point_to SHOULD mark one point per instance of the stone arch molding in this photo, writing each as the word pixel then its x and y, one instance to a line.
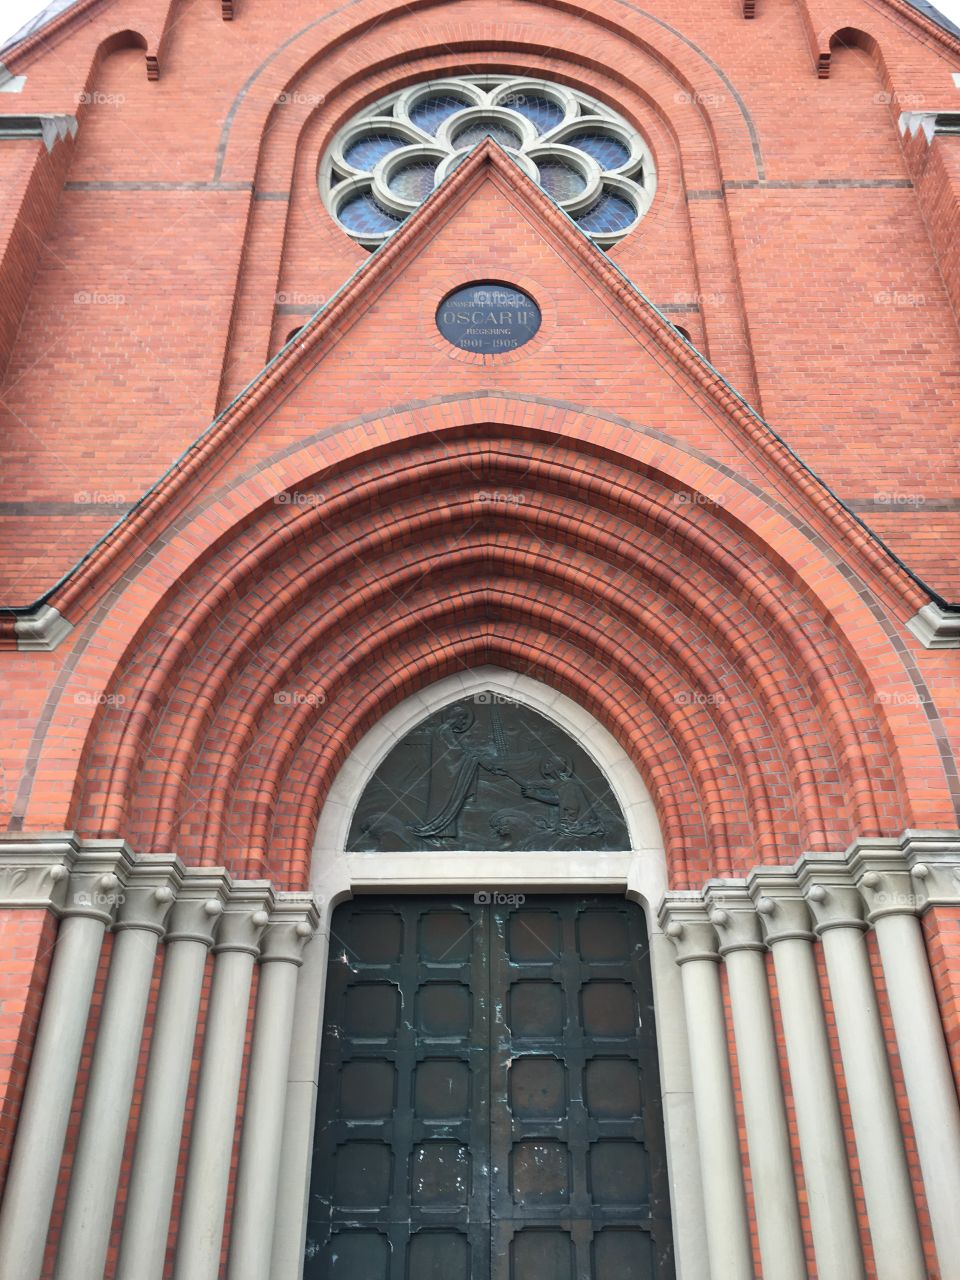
pixel 643 866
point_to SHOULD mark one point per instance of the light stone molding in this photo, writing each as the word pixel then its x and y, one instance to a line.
pixel 934 627
pixel 149 893
pixel 734 915
pixel 293 921
pixel 246 914
pixel 35 875
pixel 97 880
pixel 43 630
pixel 780 904
pixel 834 900
pixel 195 913
pixel 685 920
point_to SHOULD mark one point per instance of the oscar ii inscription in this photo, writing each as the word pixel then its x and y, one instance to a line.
pixel 488 318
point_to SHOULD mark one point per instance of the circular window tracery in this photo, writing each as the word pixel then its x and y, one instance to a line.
pixel 391 157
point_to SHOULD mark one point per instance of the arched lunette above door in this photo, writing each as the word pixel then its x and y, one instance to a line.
pixel 487 772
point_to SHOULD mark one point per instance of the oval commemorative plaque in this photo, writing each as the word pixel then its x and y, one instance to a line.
pixel 488 318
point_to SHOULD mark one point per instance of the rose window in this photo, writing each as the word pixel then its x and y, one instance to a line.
pixel 587 158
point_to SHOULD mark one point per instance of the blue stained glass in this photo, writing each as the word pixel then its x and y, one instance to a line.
pixel 477 130
pixel 429 113
pixel 542 113
pixel 414 181
pixel 611 213
pixel 609 153
pixel 366 151
pixel 362 214
pixel 560 180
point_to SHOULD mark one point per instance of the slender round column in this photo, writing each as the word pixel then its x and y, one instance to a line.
pixel 85 1236
pixel 292 922
pixel 728 1238
pixel 887 1188
pixel 768 1140
pixel 200 1236
pixel 931 1094
pixel 833 1216
pixel 45 1111
pixel 193 917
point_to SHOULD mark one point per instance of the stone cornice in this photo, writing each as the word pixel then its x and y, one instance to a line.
pixel 246 914
pixel 293 922
pixel 934 626
pixel 685 920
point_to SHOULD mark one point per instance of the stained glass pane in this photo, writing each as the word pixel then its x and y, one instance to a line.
pixel 611 213
pixel 477 130
pixel 366 151
pixel 429 113
pixel 561 180
pixel 609 152
pixel 543 113
pixel 414 181
pixel 362 214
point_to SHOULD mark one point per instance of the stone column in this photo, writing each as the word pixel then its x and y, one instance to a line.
pixel 290 1226
pixel 684 919
pixel 200 1236
pixel 94 886
pixel 85 1236
pixel 833 1217
pixel 838 915
pixel 190 931
pixel 292 921
pixel 771 1161
pixel 893 899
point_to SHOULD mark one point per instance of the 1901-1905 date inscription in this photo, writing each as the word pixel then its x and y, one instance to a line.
pixel 488 318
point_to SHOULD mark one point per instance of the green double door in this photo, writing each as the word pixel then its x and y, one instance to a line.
pixel 489 1103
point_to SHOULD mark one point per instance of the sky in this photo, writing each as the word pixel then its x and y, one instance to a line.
pixel 14 13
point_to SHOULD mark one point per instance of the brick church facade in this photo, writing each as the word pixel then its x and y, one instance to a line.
pixel 479 564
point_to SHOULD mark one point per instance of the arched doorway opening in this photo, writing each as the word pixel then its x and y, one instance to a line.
pixel 554 1007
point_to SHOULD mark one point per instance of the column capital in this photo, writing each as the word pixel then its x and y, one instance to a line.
pixel 883 878
pixel 780 905
pixel 685 920
pixel 246 914
pixel 149 892
pixel 293 922
pixel 98 880
pixel 198 905
pixel 933 859
pixel 35 874
pixel 830 891
pixel 733 914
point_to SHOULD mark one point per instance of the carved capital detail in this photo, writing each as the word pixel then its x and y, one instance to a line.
pixel 734 915
pixel 149 893
pixel 198 907
pixel 293 922
pixel 685 920
pixel 246 914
